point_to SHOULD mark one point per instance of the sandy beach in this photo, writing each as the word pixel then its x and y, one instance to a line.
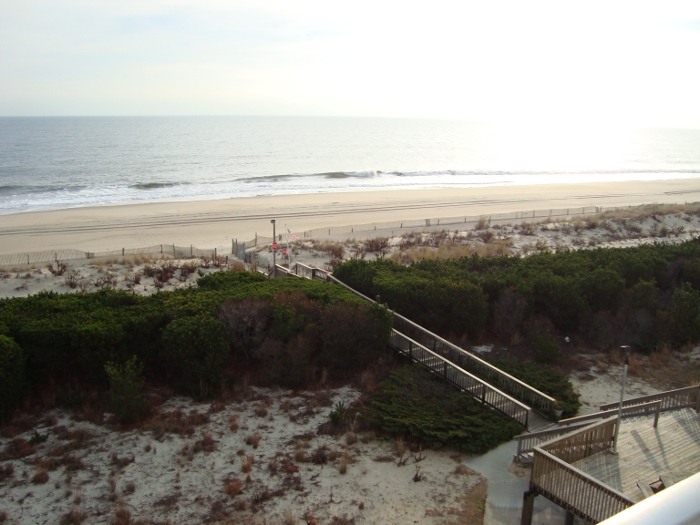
pixel 215 223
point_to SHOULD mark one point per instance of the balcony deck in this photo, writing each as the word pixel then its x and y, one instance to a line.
pixel 645 454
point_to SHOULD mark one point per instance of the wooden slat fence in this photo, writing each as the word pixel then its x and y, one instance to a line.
pixel 688 397
pixel 555 477
pixel 487 394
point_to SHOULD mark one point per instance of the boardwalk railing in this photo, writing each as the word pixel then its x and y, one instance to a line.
pixel 487 394
pixel 645 409
pixel 554 477
pixel 507 383
pixel 528 442
pixel 688 397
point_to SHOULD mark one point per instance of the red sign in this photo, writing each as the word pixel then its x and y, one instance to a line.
pixel 274 246
pixel 284 252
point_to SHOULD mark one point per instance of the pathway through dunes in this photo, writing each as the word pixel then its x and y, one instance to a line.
pixel 447 360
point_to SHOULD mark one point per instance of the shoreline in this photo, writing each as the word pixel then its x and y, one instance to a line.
pixel 215 223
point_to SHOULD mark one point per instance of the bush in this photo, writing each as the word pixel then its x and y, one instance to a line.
pixel 127 399
pixel 195 350
pixel 12 379
pixel 545 379
pixel 412 402
pixel 548 351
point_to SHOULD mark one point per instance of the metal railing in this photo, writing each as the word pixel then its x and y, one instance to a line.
pixel 466 382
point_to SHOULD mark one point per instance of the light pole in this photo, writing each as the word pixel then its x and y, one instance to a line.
pixel 626 350
pixel 274 252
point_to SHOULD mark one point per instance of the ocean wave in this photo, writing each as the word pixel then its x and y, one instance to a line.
pixel 349 174
pixel 156 185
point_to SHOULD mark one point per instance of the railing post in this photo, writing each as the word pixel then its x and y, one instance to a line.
pixel 410 350
pixel 658 412
pixel 444 369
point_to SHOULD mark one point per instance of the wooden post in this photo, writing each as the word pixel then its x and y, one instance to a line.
pixel 215 253
pixel 161 249
pixel 656 416
pixel 173 249
pixel 528 507
pixel 444 369
pixel 122 252
pixel 569 520
pixel 191 250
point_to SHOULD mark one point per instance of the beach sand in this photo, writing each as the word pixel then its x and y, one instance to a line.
pixel 215 223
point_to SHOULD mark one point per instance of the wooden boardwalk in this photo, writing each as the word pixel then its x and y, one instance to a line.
pixel 645 454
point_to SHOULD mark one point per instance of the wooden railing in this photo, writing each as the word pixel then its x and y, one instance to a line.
pixel 645 409
pixel 513 386
pixel 671 400
pixel 484 392
pixel 561 482
pixel 575 490
pixel 528 442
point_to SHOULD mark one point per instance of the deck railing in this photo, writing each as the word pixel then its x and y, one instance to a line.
pixel 467 361
pixel 645 409
pixel 528 442
pixel 670 400
pixel 555 477
pixel 484 392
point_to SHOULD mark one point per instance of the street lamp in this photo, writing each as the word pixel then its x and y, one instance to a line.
pixel 274 252
pixel 626 349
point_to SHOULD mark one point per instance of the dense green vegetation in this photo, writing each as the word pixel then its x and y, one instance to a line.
pixel 413 402
pixel 646 296
pixel 545 379
pixel 195 339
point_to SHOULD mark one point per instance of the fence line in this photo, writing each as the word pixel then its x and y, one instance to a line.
pixel 261 241
pixel 240 248
pixel 171 250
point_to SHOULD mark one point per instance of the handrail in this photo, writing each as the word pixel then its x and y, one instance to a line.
pixel 512 385
pixel 670 400
pixel 554 476
pixel 486 393
pixel 527 442
pixel 575 490
pixel 631 411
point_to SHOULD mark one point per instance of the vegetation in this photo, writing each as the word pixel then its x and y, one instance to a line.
pixel 646 296
pixel 545 379
pixel 413 402
pixel 195 339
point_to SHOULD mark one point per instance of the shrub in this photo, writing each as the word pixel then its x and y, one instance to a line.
pixel 127 400
pixel 548 351
pixel 195 349
pixel 545 379
pixel 338 414
pixel 414 403
pixel 12 379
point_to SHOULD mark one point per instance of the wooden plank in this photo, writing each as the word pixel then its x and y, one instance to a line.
pixel 667 480
pixel 646 490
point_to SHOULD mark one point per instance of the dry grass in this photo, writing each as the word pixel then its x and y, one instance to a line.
pixel 247 463
pixel 253 439
pixel 350 437
pixel 473 506
pixel 40 477
pixel 73 517
pixel 344 462
pixel 233 487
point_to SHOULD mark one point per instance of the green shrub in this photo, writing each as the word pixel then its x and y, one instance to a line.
pixel 545 379
pixel 548 351
pixel 12 379
pixel 338 414
pixel 413 402
pixel 194 351
pixel 127 400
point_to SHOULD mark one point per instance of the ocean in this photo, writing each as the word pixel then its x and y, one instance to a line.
pixel 64 162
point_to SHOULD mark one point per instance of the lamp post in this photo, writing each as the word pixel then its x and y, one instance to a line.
pixel 274 252
pixel 626 350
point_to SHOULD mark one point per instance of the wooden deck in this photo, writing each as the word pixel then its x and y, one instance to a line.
pixel 645 454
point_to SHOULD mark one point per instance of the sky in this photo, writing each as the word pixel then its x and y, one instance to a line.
pixel 609 62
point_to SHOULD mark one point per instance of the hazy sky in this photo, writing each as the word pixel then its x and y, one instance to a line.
pixel 630 62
